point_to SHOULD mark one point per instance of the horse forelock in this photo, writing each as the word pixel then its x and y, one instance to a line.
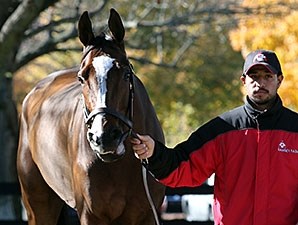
pixel 106 44
pixel 96 43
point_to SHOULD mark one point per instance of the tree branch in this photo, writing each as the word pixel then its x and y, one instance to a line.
pixel 12 31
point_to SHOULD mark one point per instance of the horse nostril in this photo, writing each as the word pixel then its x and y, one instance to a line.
pixel 115 133
pixel 93 138
pixel 106 140
pixel 110 135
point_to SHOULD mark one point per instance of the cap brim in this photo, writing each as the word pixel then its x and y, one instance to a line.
pixel 269 67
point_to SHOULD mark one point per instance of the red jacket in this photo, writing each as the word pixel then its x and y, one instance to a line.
pixel 254 157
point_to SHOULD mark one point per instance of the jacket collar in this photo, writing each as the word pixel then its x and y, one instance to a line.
pixel 254 113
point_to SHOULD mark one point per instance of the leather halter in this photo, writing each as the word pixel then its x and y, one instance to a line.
pixel 89 116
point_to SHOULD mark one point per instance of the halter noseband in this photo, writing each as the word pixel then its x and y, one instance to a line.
pixel 105 110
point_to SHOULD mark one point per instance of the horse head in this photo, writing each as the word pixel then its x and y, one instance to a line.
pixel 107 78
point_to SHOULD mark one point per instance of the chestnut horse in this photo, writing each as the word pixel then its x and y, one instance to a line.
pixel 74 131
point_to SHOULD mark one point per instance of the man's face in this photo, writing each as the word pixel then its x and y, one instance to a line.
pixel 261 84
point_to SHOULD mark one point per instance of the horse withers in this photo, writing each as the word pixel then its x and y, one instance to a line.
pixel 74 130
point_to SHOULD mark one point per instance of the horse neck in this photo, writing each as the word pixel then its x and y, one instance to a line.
pixel 145 119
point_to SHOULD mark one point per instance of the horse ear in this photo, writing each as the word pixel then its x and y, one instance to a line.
pixel 85 29
pixel 116 26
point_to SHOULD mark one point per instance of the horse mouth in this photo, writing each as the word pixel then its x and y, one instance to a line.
pixel 111 156
pixel 109 151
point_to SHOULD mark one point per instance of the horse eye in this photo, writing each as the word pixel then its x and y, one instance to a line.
pixel 83 75
pixel 127 75
pixel 81 79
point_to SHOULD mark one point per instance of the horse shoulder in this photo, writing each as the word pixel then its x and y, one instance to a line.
pixel 47 112
pixel 45 89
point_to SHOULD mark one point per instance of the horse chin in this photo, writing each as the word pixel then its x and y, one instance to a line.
pixel 112 157
pixel 111 154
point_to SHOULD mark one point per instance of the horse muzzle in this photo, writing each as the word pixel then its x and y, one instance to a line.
pixel 106 141
pixel 108 144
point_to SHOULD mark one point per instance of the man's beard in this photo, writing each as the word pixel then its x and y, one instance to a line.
pixel 261 103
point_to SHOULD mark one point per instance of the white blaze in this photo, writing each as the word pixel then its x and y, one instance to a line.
pixel 102 65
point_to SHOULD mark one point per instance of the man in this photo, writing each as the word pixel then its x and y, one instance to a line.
pixel 252 149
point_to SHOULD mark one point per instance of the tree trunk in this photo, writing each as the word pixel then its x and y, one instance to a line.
pixel 9 204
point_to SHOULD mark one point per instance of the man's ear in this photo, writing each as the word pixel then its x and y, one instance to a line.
pixel 280 79
pixel 242 78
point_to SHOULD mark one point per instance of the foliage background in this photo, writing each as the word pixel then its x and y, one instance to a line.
pixel 189 60
pixel 273 29
pixel 186 62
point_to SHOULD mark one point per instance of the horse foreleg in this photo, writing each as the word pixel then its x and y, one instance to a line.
pixel 43 206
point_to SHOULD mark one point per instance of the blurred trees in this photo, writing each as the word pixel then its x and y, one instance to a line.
pixel 275 29
pixel 15 18
pixel 204 84
pixel 179 49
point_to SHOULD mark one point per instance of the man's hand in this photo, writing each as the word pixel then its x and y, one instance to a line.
pixel 143 146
